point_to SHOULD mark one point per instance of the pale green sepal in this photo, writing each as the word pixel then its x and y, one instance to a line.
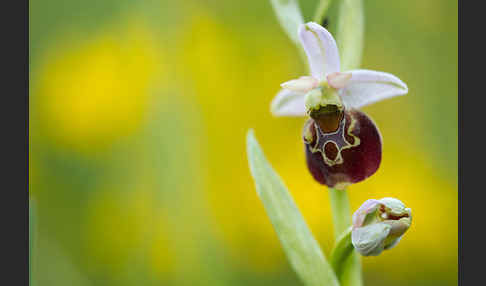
pixel 301 248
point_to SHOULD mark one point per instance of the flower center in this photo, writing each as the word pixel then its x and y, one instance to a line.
pixel 324 105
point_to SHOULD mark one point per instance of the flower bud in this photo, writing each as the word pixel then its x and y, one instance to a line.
pixel 342 146
pixel 379 225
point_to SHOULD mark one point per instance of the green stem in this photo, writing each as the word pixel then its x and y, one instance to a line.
pixel 321 11
pixel 341 211
pixel 341 216
pixel 343 248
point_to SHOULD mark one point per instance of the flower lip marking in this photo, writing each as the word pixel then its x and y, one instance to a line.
pixel 359 161
pixel 337 138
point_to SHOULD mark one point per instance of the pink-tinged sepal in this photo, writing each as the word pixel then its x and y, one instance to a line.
pixel 365 87
pixel 288 103
pixel 321 49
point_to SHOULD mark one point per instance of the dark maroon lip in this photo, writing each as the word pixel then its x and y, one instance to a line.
pixel 347 155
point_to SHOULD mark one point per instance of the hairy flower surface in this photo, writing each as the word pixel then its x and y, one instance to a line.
pixel 379 225
pixel 342 144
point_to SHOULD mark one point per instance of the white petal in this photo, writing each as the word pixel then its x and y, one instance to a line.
pixel 320 48
pixel 303 84
pixel 338 79
pixel 288 103
pixel 366 87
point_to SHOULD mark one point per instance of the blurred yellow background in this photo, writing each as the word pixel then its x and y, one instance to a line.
pixel 138 116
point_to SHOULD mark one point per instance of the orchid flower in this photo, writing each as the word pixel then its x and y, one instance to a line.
pixel 343 145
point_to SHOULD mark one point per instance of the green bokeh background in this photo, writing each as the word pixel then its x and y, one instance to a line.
pixel 138 116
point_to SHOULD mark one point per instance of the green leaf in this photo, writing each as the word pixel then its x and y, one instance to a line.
pixel 301 248
pixel 350 33
pixel 341 252
pixel 289 16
